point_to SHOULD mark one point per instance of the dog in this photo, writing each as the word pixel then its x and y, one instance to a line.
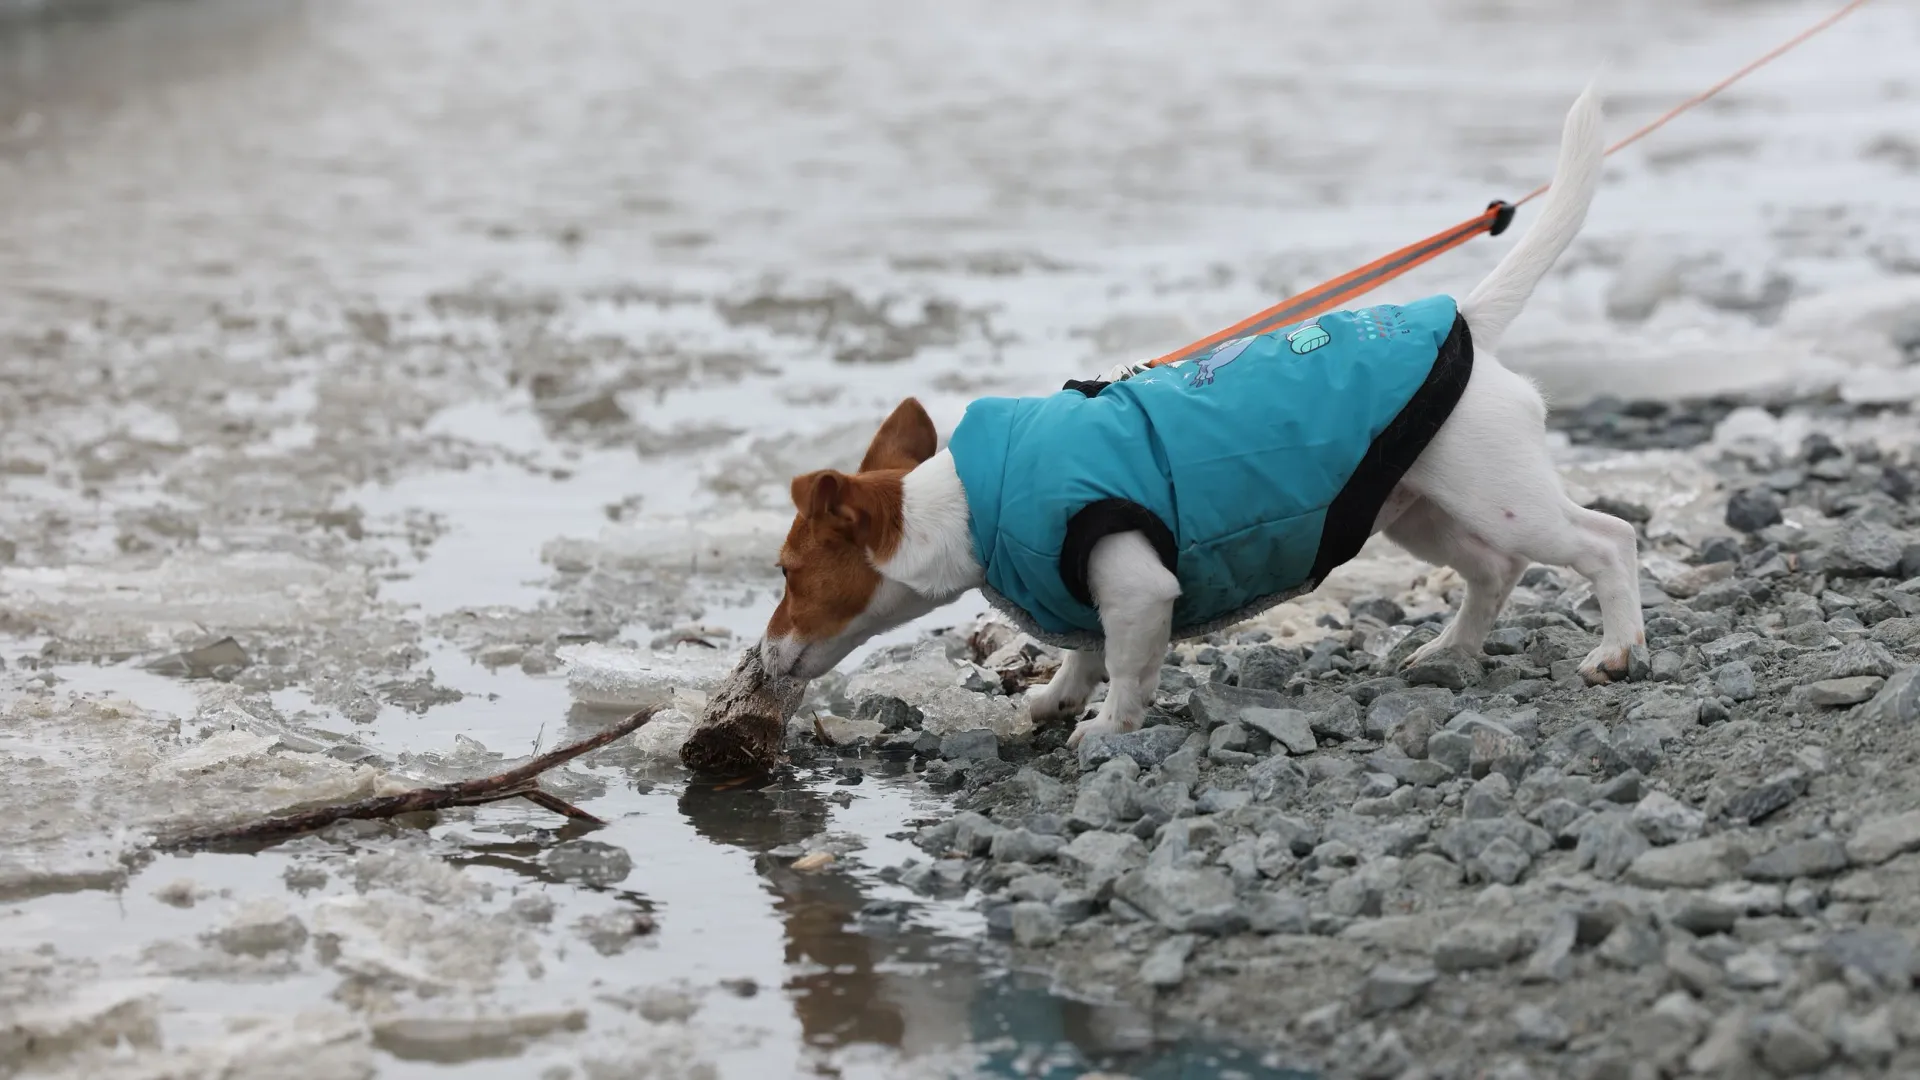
pixel 1465 483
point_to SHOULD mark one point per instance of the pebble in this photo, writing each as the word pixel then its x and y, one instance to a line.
pixel 1898 702
pixel 1736 680
pixel 1814 857
pixel 1866 549
pixel 1862 658
pixel 979 744
pixel 1552 957
pixel 1694 864
pixel 1753 509
pixel 1883 955
pixel 1831 693
pixel 1290 728
pixel 1478 944
pixel 1788 1048
pixel 1183 900
pixel 1389 987
pixel 1534 1025
pixel 1166 965
pixel 1022 846
pixel 1882 838
pixel 1757 969
pixel 1147 747
pixel 1758 803
pixel 1664 819
pixel 1451 749
pixel 1610 845
pixel 1035 923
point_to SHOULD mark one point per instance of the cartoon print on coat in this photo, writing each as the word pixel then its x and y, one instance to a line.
pixel 1217 359
pixel 1303 340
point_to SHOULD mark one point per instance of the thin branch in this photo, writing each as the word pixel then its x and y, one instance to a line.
pixel 519 783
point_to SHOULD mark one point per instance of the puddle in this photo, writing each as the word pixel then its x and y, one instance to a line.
pixel 784 972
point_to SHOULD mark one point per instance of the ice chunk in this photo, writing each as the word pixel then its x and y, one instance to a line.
pixel 99 1015
pixel 451 1039
pixel 224 748
pixel 740 543
pixel 661 737
pixel 953 708
pixel 632 679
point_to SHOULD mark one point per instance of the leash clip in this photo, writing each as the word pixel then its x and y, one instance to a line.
pixel 1502 219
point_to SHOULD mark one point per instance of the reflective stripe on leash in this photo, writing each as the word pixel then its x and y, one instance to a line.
pixel 1329 295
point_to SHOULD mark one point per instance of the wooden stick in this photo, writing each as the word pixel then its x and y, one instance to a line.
pixel 520 783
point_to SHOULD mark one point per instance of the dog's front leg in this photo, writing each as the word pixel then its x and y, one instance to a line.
pixel 1066 694
pixel 1134 594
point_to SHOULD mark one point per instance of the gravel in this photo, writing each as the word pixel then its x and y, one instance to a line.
pixel 1480 865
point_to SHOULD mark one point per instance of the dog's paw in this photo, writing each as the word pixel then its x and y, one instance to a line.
pixel 1056 701
pixel 1439 647
pixel 1101 723
pixel 1606 664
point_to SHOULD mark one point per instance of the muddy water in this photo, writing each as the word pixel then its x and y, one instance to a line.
pixel 408 343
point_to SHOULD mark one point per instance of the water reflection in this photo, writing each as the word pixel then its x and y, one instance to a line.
pixel 863 971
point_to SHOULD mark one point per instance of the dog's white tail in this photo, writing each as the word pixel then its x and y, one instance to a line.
pixel 1493 303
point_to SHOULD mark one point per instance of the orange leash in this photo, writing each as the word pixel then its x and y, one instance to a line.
pixel 1329 295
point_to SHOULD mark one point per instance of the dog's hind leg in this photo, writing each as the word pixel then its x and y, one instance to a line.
pixel 1487 469
pixel 1135 594
pixel 1490 573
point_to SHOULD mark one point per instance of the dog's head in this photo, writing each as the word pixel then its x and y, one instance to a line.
pixel 846 527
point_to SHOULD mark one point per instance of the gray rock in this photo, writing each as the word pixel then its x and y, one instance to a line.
pixel 1695 864
pixel 1882 838
pixel 1787 1048
pixel 1867 1040
pixel 1464 840
pixel 1666 820
pixel 1492 797
pixel 1552 957
pixel 1183 900
pixel 1290 728
pixel 1753 509
pixel 1508 641
pixel 1452 749
pixel 1865 549
pixel 1166 965
pixel 1453 671
pixel 1497 750
pixel 1022 846
pixel 1535 1026
pixel 891 713
pixel 1336 718
pixel 1034 923
pixel 1898 702
pixel 1836 693
pixel 1148 747
pixel 1862 657
pixel 1221 800
pixel 973 833
pixel 1390 987
pixel 1412 734
pixel 1815 857
pixel 1217 703
pixel 1557 817
pixel 1758 803
pixel 1736 680
pixel 1502 860
pixel 1882 954
pixel 1228 744
pixel 1730 647
pixel 1103 856
pixel 1110 794
pixel 1667 666
pixel 1276 913
pixel 1632 944
pixel 1277 779
pixel 1726 1051
pixel 978 744
pixel 1479 944
pixel 1390 709
pixel 1268 667
pixel 1381 608
pixel 1757 969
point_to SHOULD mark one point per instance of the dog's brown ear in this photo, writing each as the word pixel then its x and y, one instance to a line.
pixel 906 439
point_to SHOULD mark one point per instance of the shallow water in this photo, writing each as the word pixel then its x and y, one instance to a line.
pixel 381 336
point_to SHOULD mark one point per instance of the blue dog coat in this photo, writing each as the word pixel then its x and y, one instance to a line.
pixel 1254 469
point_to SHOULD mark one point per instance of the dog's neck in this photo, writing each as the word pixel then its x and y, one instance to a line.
pixel 935 556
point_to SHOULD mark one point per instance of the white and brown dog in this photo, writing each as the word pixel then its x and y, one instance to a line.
pixel 871 550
